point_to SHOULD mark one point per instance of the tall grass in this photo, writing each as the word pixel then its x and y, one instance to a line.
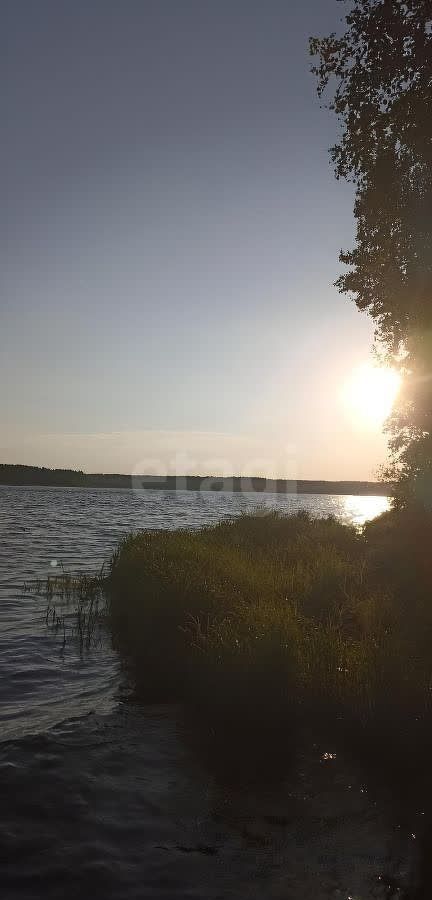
pixel 266 623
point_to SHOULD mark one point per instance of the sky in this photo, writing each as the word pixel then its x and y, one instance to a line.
pixel 170 229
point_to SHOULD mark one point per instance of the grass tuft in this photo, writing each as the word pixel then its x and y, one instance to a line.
pixel 264 622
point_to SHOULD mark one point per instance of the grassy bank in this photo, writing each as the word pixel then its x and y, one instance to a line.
pixel 268 623
pixel 269 629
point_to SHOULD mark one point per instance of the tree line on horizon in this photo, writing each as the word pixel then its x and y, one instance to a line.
pixel 15 474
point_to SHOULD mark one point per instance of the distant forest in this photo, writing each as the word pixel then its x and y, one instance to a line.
pixel 33 475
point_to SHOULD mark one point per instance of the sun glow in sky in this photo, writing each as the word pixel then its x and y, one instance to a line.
pixel 370 393
pixel 170 229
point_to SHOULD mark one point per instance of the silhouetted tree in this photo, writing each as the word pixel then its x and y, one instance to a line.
pixel 379 73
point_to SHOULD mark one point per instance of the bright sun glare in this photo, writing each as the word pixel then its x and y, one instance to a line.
pixel 370 393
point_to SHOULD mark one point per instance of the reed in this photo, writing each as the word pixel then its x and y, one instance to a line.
pixel 270 623
pixel 76 607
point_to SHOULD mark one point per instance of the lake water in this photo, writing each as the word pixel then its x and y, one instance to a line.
pixel 99 796
pixel 42 529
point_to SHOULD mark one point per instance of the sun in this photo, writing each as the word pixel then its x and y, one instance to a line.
pixel 370 393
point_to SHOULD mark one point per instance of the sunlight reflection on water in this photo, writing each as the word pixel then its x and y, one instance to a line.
pixel 361 509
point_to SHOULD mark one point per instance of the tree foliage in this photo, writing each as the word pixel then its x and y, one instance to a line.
pixel 379 76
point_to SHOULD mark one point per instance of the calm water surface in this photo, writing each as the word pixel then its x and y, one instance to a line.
pixel 99 796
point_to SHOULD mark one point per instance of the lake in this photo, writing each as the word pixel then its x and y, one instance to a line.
pixel 100 796
pixel 42 529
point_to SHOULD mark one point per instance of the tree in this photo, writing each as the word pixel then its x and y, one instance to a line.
pixel 379 72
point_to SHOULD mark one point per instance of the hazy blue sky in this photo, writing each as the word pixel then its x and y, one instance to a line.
pixel 170 227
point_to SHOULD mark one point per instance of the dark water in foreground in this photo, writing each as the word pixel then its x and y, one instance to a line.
pixel 100 797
